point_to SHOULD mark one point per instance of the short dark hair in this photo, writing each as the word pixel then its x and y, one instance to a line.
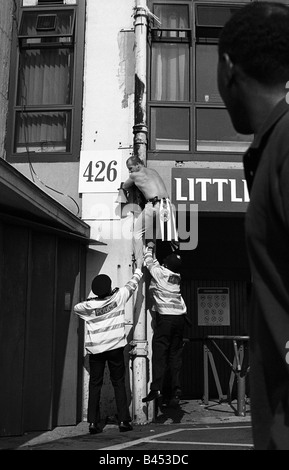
pixel 134 160
pixel 101 285
pixel 257 38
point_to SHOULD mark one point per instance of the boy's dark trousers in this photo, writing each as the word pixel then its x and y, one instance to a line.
pixel 167 349
pixel 116 365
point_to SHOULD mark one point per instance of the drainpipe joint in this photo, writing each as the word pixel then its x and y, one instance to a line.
pixel 138 348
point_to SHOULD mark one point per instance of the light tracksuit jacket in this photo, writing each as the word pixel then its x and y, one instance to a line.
pixel 105 318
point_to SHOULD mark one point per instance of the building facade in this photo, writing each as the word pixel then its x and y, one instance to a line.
pixel 93 82
pixel 42 274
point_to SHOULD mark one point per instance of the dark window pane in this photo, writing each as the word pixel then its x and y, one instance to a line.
pixel 172 17
pixel 45 77
pixel 170 129
pixel 215 132
pixel 211 18
pixel 206 73
pixel 170 72
pixel 42 132
pixel 214 15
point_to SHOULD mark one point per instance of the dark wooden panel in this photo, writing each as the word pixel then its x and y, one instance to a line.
pixel 41 340
pixel 13 293
pixel 66 383
pixel 38 383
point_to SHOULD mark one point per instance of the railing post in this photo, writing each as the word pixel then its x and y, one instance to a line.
pixel 241 385
pixel 241 399
pixel 206 375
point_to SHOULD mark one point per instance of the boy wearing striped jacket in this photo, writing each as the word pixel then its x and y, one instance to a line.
pixel 105 340
pixel 170 315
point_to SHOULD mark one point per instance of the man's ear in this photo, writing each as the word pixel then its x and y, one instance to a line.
pixel 229 68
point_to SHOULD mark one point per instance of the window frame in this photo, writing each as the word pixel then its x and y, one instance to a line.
pixel 75 108
pixel 193 154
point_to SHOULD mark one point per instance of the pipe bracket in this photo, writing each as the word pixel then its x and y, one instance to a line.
pixel 138 348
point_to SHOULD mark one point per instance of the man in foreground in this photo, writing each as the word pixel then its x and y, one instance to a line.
pixel 253 72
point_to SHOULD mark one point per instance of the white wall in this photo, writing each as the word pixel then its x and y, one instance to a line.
pixel 108 113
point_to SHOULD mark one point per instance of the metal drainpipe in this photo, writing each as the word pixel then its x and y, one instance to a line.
pixel 140 117
pixel 139 343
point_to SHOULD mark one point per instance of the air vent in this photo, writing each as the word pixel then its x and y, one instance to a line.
pixel 46 23
pixel 49 23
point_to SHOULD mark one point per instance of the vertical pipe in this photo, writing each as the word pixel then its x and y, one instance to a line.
pixel 139 353
pixel 241 398
pixel 206 374
pixel 140 114
pixel 241 387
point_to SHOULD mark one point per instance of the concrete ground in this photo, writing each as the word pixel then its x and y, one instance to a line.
pixel 190 415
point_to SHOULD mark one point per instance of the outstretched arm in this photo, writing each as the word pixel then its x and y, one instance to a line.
pixel 128 183
pixel 132 284
pixel 150 259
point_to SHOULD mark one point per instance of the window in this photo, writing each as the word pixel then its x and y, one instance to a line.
pixel 187 118
pixel 170 128
pixel 46 114
pixel 170 67
pixel 215 133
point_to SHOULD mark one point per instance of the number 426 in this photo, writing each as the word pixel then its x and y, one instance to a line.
pixel 102 171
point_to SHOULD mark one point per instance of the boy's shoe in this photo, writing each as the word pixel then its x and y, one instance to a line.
pixel 125 426
pixel 152 396
pixel 94 428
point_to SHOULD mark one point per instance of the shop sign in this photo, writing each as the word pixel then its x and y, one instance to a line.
pixel 220 190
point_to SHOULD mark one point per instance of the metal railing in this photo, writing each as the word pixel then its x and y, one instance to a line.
pixel 239 369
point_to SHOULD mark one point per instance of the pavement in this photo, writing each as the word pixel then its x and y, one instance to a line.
pixel 191 425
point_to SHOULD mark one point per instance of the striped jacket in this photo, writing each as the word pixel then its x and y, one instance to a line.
pixel 165 288
pixel 105 322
